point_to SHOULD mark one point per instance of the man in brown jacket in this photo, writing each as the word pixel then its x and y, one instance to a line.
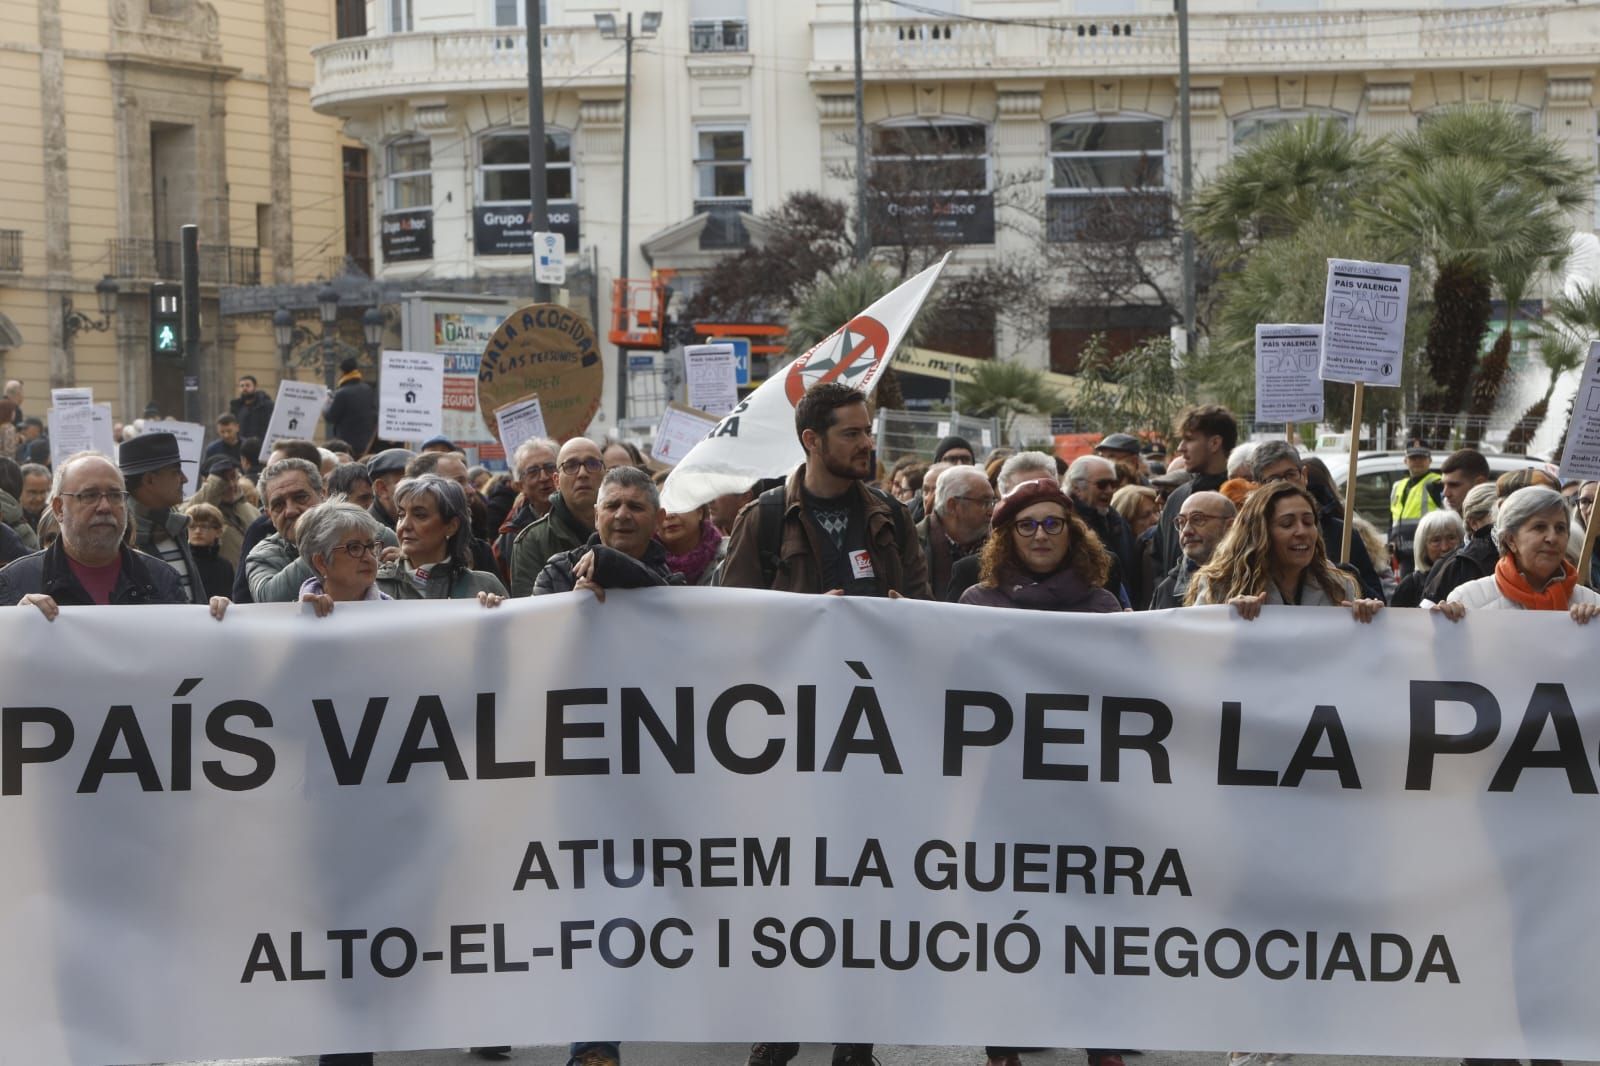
pixel 837 535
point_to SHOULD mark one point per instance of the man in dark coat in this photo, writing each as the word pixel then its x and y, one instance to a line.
pixel 352 411
pixel 89 563
pixel 252 407
pixel 623 552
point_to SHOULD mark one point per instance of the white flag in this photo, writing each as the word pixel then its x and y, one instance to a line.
pixel 757 439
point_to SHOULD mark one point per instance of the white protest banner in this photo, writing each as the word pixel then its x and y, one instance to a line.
pixel 81 397
pixel 783 816
pixel 191 444
pixel 1288 388
pixel 711 377
pixel 1364 322
pixel 680 430
pixel 294 413
pixel 519 420
pixel 411 396
pixel 1581 457
pixel 757 439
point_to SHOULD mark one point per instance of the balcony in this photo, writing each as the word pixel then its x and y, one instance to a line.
pixel 10 250
pixel 1219 43
pixel 146 260
pixel 396 66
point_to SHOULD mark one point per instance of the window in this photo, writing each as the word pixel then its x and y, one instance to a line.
pixel 717 26
pixel 930 157
pixel 510 12
pixel 1248 127
pixel 503 167
pixel 410 175
pixel 1072 327
pixel 399 16
pixel 721 163
pixel 1108 179
pixel 350 18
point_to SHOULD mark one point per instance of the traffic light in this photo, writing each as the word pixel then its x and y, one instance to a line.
pixel 166 320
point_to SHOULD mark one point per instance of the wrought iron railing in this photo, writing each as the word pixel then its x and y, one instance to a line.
pixel 220 264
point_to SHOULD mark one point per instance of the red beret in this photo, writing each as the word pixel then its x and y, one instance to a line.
pixel 1025 495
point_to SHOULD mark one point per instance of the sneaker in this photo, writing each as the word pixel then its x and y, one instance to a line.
pixel 1008 1059
pixel 853 1055
pixel 771 1054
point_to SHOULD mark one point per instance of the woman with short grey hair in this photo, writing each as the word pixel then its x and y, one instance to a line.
pixel 341 542
pixel 1531 530
pixel 434 525
pixel 1438 534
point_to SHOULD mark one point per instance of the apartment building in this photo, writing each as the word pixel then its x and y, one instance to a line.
pixel 737 103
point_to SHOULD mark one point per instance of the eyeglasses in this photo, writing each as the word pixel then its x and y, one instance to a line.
pixel 1195 519
pixel 572 466
pixel 538 470
pixel 1105 483
pixel 986 502
pixel 1052 526
pixel 357 548
pixel 93 498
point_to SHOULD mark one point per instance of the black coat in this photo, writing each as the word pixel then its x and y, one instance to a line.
pixel 11 546
pixel 254 417
pixel 258 531
pixel 144 579
pixel 216 573
pixel 1474 559
pixel 612 569
pixel 352 415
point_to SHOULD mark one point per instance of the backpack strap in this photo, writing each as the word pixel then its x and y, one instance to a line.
pixel 769 532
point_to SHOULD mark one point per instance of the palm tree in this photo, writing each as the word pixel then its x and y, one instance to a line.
pixel 1005 390
pixel 1570 325
pixel 1293 175
pixel 1481 196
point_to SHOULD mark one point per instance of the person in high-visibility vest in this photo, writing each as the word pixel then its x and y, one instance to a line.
pixel 1415 495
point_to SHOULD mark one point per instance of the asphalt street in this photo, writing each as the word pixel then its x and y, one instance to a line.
pixel 819 1055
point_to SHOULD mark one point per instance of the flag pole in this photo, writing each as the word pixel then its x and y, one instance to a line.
pixel 1350 481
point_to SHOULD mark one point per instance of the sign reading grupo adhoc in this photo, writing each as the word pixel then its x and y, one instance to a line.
pixel 548 350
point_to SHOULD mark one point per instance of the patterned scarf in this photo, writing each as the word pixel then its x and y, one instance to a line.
pixel 692 563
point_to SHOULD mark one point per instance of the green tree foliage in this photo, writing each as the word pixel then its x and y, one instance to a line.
pixel 1474 200
pixel 1139 390
pixel 1004 390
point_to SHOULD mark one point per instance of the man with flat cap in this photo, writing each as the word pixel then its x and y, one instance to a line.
pixel 155 480
pixel 1123 451
pixel 386 469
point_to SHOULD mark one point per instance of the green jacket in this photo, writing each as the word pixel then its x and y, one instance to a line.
pixel 11 514
pixel 557 532
pixel 445 582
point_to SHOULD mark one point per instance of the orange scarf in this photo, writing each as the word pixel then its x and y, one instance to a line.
pixel 1553 597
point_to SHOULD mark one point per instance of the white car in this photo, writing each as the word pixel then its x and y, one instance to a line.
pixel 1377 472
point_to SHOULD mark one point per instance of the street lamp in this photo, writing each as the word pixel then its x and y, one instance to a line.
pixel 372 329
pixel 105 295
pixel 649 23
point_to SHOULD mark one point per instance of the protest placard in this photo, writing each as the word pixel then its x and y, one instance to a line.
pixel 411 396
pixel 72 431
pixel 550 351
pixel 1364 322
pixel 711 377
pixel 518 421
pixel 1288 387
pixel 294 413
pixel 1581 457
pixel 191 445
pixel 680 430
pixel 77 397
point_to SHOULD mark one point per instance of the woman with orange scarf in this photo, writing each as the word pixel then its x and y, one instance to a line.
pixel 1533 574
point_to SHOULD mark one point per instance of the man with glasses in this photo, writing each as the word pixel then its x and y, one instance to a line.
pixel 1203 520
pixel 274 568
pixel 1091 482
pixel 90 562
pixel 958 524
pixel 533 465
pixel 579 467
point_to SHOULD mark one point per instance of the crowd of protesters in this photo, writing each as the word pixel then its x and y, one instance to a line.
pixel 1123 528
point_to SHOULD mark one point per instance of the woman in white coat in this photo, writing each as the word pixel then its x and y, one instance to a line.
pixel 1531 530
